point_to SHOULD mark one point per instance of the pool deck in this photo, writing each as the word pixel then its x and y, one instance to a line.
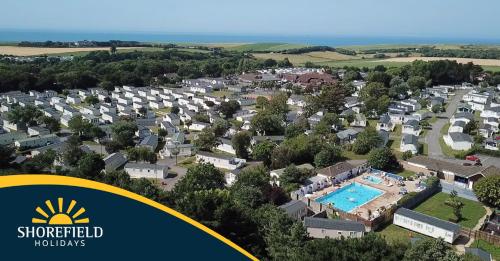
pixel 389 197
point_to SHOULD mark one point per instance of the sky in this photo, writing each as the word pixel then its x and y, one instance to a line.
pixel 413 18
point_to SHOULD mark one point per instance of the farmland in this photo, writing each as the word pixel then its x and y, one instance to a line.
pixel 31 51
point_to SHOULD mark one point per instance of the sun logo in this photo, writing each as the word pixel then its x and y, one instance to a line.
pixel 61 217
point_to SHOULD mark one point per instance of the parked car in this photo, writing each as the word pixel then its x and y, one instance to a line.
pixel 472 158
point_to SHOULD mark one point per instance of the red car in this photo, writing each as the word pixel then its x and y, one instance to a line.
pixel 472 158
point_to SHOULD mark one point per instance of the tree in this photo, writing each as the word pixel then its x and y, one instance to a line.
pixel 487 190
pixel 162 133
pixel 200 177
pixel 292 177
pixel 383 159
pixel 331 98
pixel 175 110
pixel 40 163
pixel 241 143
pixel 379 77
pixel 79 125
pixel 141 154
pixel 206 140
pixel 278 104
pixel 261 102
pixel 266 123
pixel 51 124
pixel 96 132
pixel 220 127
pixel 6 155
pixel 456 205
pixel 366 140
pixel 284 237
pixel 89 166
pixel 262 151
pixel 324 127
pixel 112 49
pixel 470 127
pixel 294 130
pixel 431 250
pixel 327 156
pixel 369 247
pixel 146 188
pixel 119 179
pixel 142 111
pixel 72 151
pixel 228 108
pixel 373 89
pixel 123 133
pixel 91 100
pixel 26 115
pixel 416 83
pixel 437 108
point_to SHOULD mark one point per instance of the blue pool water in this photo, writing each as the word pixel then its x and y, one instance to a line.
pixel 373 179
pixel 350 196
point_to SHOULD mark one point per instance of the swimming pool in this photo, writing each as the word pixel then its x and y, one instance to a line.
pixel 373 179
pixel 350 196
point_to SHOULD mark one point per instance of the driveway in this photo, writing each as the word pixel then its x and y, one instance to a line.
pixel 432 138
pixel 175 173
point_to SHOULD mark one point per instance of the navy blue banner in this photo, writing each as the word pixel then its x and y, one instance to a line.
pixel 47 217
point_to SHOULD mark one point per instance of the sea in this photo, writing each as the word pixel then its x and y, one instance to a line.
pixel 201 38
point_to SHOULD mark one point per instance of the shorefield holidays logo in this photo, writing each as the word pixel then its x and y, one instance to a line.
pixel 60 226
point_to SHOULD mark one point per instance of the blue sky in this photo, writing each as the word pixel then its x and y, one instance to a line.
pixel 420 18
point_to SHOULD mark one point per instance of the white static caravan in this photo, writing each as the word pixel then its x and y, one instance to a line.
pixel 427 225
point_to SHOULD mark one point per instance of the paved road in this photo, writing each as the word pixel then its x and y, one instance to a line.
pixel 432 138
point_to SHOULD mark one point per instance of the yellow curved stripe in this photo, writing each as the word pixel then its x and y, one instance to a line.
pixel 30 180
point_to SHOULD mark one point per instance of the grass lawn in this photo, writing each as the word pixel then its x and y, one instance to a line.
pixel 188 162
pixel 372 123
pixel 447 150
pixel 425 149
pixel 395 140
pixel 435 206
pixel 490 248
pixel 353 156
pixel 89 142
pixel 406 173
pixel 163 111
pixel 445 128
pixel 433 119
pixel 395 234
pixel 221 93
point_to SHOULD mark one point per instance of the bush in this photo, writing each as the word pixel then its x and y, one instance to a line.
pixel 432 181
pixel 406 198
pixel 406 155
pixel 487 190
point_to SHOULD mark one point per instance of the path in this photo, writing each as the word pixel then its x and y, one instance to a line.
pixel 433 136
pixel 460 246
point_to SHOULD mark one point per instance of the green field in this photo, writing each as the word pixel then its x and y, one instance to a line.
pixel 435 206
pixel 263 47
pixel 83 53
